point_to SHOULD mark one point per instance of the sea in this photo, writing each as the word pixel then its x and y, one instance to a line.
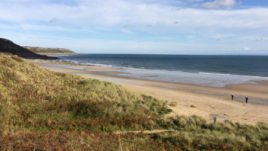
pixel 208 70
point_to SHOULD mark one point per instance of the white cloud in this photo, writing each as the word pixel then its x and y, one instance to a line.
pixel 137 16
pixel 123 13
pixel 220 4
pixel 246 48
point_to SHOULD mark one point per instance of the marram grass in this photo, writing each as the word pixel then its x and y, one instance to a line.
pixel 43 110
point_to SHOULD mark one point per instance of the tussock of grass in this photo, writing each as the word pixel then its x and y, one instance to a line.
pixel 43 110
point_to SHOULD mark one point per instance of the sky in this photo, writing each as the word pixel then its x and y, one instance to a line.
pixel 139 26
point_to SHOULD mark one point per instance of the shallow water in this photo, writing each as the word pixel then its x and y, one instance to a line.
pixel 217 71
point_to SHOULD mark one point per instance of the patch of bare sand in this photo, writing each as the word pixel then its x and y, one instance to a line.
pixel 207 106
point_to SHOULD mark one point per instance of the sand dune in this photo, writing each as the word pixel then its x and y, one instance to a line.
pixel 186 99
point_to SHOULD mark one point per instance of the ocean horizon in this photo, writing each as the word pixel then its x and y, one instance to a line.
pixel 208 70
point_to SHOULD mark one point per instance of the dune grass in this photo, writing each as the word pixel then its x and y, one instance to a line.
pixel 43 110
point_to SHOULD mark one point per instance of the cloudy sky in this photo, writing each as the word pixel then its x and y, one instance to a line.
pixel 139 26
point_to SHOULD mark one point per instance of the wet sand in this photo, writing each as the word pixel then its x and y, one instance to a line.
pixel 184 99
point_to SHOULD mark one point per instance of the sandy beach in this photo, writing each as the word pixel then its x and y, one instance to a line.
pixel 184 99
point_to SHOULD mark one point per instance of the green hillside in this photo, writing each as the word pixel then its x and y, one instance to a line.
pixel 43 110
pixel 9 47
pixel 41 50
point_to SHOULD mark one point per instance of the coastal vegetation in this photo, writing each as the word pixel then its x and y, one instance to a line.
pixel 9 47
pixel 44 110
pixel 42 50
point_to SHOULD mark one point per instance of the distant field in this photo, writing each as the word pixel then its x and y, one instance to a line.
pixel 41 50
pixel 43 110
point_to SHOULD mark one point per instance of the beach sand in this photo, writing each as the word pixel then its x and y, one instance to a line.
pixel 184 99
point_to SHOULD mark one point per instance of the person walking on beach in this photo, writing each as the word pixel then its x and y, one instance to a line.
pixel 246 100
pixel 232 96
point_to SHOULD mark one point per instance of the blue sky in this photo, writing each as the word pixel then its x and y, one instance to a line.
pixel 139 26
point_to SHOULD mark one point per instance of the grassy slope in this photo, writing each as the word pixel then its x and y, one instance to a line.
pixel 40 109
pixel 7 46
pixel 49 50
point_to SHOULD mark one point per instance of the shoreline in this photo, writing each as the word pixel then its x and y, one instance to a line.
pixel 190 99
pixel 211 78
